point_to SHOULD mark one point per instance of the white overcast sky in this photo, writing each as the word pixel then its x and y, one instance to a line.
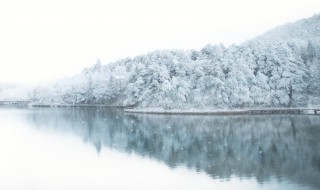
pixel 42 40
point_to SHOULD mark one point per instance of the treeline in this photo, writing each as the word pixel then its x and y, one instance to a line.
pixel 269 71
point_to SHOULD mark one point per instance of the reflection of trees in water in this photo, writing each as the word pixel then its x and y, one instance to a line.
pixel 247 146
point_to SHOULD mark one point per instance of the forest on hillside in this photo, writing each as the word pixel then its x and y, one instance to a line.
pixel 280 68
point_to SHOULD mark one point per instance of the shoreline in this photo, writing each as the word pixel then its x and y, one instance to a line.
pixel 188 111
pixel 75 105
pixel 258 111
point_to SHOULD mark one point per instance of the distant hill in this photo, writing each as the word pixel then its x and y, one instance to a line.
pixel 14 92
pixel 300 31
pixel 280 68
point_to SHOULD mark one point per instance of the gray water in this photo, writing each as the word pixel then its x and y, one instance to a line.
pixel 99 148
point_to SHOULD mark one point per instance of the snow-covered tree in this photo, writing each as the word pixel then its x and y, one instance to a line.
pixel 278 69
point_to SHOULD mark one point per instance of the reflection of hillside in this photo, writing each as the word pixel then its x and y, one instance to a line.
pixel 285 147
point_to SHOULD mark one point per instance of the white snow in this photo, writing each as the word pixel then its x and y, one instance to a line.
pixel 278 69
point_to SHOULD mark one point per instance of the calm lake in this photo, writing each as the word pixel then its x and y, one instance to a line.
pixel 100 148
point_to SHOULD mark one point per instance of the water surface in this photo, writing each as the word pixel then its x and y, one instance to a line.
pixel 99 148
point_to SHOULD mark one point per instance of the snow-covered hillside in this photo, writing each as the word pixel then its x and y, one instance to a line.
pixel 281 68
